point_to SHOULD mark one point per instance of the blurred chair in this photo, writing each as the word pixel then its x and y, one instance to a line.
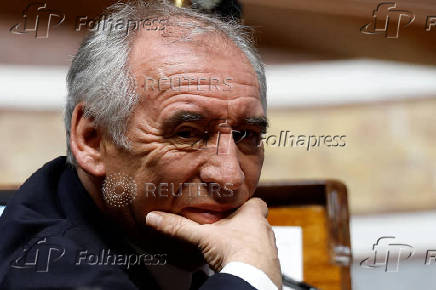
pixel 320 208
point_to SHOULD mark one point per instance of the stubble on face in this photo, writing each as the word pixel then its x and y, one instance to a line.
pixel 155 158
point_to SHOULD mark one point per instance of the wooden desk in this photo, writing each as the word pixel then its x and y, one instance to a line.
pixel 320 208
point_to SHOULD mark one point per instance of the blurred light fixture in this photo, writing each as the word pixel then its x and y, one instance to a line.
pixel 227 9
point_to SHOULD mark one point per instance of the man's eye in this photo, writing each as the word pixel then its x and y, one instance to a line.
pixel 188 133
pixel 246 136
pixel 238 136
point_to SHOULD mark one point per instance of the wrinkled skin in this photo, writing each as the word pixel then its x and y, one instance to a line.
pixel 164 122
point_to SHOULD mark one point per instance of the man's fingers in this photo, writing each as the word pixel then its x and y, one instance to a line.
pixel 175 226
pixel 255 205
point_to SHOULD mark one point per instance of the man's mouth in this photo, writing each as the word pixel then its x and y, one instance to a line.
pixel 206 215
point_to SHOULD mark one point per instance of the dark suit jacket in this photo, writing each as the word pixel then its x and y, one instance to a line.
pixel 52 236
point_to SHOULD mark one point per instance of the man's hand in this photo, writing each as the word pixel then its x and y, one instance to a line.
pixel 245 236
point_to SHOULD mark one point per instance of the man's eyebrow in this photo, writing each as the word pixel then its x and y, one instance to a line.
pixel 181 117
pixel 261 122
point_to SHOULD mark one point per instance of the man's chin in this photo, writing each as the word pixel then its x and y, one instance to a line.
pixel 203 217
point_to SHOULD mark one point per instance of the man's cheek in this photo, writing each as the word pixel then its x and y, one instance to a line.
pixel 252 175
pixel 179 166
pixel 148 200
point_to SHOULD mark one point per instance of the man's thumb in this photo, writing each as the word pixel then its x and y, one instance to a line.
pixel 174 225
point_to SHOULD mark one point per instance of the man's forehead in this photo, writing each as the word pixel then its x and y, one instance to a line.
pixel 153 54
pixel 205 60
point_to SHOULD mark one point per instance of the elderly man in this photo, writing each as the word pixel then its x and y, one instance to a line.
pixel 163 128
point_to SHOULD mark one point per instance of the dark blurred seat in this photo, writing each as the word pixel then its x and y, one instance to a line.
pixel 6 193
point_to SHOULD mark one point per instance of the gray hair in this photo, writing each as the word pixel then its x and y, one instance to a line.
pixel 99 74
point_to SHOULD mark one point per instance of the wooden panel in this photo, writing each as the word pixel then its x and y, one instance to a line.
pixel 317 268
pixel 320 208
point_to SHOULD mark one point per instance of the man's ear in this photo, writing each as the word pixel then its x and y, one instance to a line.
pixel 85 142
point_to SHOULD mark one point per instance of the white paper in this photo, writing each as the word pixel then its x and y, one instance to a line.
pixel 289 241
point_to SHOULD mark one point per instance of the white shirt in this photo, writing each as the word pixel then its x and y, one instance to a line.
pixel 254 276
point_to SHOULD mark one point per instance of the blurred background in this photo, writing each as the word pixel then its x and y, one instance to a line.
pixel 335 67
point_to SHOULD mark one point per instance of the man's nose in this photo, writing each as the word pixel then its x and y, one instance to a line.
pixel 223 166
